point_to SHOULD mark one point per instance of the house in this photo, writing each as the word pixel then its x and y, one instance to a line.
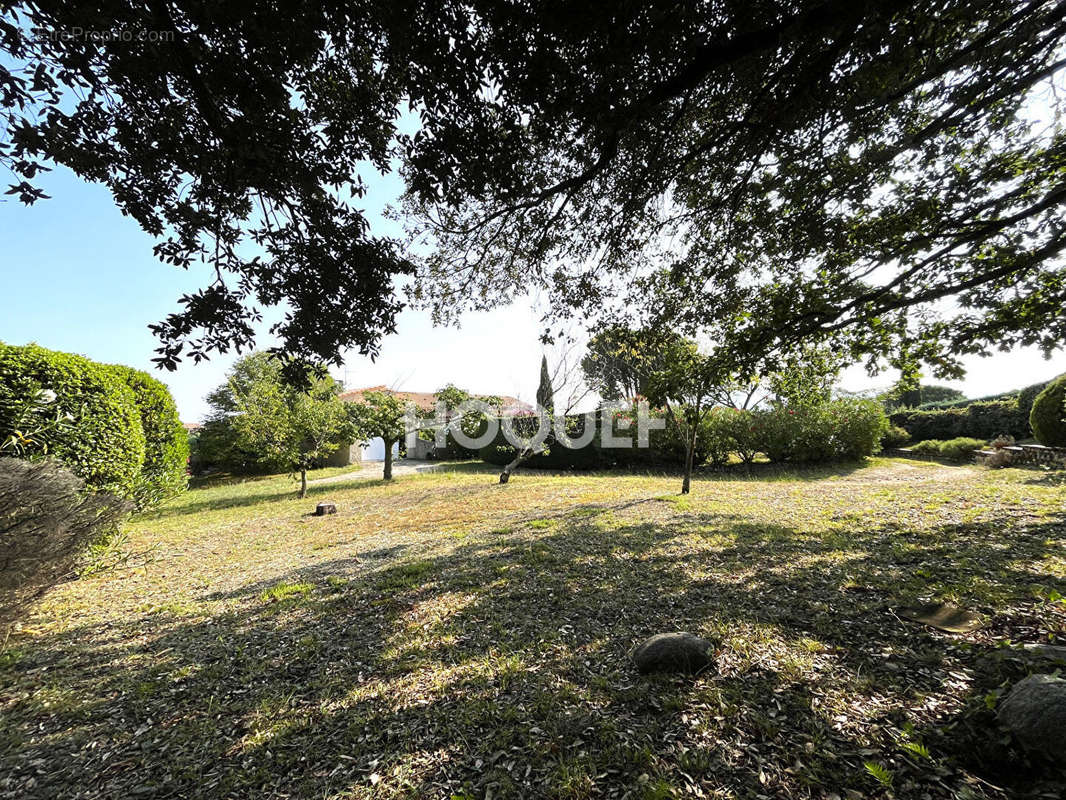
pixel 424 401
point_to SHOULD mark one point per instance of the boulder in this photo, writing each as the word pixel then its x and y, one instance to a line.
pixel 673 652
pixel 1035 712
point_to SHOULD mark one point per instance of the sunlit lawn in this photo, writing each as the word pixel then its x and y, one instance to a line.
pixel 446 637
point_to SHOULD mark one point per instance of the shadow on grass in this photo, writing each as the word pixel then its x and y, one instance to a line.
pixel 500 668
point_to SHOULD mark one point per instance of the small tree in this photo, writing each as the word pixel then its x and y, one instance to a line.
pixel 469 422
pixel 545 392
pixel 572 389
pixel 686 384
pixel 289 426
pixel 380 414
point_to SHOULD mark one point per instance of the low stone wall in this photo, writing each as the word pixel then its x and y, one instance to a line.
pixel 1031 454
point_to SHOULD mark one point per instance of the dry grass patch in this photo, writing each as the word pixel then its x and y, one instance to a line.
pixel 446 637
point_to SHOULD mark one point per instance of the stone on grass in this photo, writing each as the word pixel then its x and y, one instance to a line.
pixel 1035 712
pixel 325 508
pixel 673 652
pixel 944 616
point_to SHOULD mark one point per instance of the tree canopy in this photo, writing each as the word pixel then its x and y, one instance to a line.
pixel 283 424
pixel 783 171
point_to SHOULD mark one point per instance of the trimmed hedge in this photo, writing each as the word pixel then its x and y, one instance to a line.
pixel 166 443
pixel 104 445
pixel 839 430
pixel 501 452
pixel 1048 417
pixel 122 433
pixel 979 420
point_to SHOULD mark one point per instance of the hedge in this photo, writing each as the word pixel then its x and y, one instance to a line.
pixel 104 445
pixel 501 452
pixel 1024 397
pixel 838 430
pixel 1048 417
pixel 979 420
pixel 166 443
pixel 123 434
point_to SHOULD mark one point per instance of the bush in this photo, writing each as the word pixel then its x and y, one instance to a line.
pixel 849 428
pixel 895 436
pixel 166 443
pixel 929 447
pixel 1048 417
pixel 104 443
pixel 960 449
pixel 980 420
pixel 46 523
pixel 559 457
pixel 859 425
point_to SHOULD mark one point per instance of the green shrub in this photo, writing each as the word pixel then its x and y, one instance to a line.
pixel 981 420
pixel 1048 417
pixel 166 443
pixel 559 457
pixel 928 447
pixel 104 443
pixel 859 426
pixel 744 429
pixel 960 449
pixel 46 522
pixel 895 436
pixel 848 428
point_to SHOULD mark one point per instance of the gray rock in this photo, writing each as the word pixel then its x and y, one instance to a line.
pixel 1052 652
pixel 673 652
pixel 1035 712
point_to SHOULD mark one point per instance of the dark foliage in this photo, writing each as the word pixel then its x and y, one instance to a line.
pixel 46 522
pixel 1048 417
pixel 805 147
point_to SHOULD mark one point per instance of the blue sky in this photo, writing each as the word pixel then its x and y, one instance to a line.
pixel 77 276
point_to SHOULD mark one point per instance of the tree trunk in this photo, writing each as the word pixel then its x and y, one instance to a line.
pixel 303 483
pixel 690 450
pixel 523 456
pixel 388 461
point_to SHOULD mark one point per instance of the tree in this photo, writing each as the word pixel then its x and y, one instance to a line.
pixel 545 392
pixel 617 364
pixel 469 421
pixel 803 168
pixel 287 425
pixel 381 414
pixel 572 389
pixel 217 443
pixel 686 383
pixel 903 397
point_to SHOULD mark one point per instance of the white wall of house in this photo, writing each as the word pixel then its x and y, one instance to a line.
pixel 375 450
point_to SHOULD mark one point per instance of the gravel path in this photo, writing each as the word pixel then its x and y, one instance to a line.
pixel 374 469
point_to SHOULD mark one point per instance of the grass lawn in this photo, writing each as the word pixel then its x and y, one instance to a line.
pixel 447 637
